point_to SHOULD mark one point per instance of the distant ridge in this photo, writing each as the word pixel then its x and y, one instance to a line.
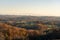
pixel 36 18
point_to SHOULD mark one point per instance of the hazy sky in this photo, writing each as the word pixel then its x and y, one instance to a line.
pixel 30 7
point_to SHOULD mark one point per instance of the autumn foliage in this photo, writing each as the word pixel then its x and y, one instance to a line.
pixel 8 32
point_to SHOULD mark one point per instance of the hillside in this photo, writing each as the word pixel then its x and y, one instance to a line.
pixel 8 32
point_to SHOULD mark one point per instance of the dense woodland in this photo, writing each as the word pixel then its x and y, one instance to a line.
pixel 13 27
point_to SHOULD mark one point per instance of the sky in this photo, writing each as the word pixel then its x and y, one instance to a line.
pixel 30 7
